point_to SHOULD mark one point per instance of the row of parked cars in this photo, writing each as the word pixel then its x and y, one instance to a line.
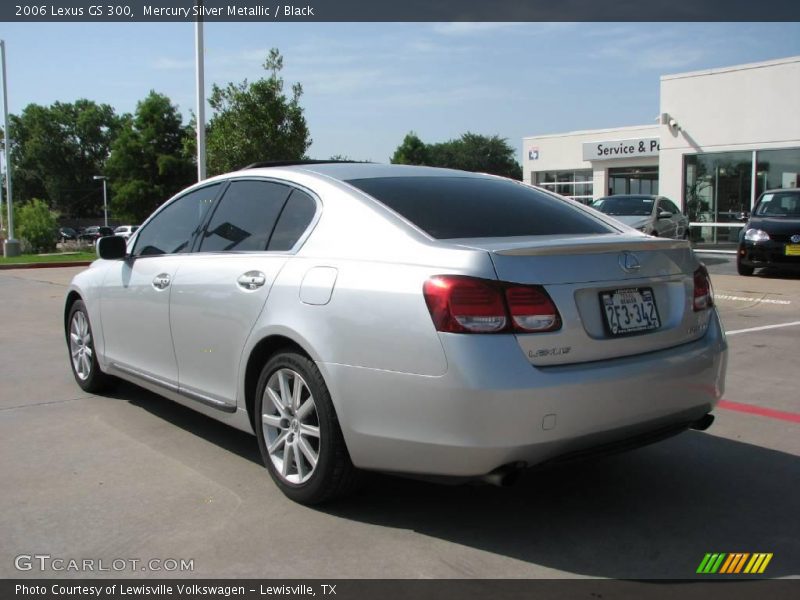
pixel 93 233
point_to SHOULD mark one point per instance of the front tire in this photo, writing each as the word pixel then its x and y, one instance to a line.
pixel 298 432
pixel 83 358
pixel 743 269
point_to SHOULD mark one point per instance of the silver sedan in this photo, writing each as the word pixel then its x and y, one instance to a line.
pixel 404 319
pixel 653 215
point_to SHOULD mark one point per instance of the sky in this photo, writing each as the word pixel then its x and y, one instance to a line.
pixel 366 85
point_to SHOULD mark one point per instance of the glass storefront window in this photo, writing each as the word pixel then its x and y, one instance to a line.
pixel 718 190
pixel 777 169
pixel 717 186
pixel 573 184
pixel 633 180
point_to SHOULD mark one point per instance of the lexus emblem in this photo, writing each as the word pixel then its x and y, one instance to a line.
pixel 629 263
pixel 795 238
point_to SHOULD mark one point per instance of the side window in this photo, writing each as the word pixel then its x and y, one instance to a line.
pixel 245 217
pixel 672 207
pixel 663 206
pixel 293 222
pixel 171 231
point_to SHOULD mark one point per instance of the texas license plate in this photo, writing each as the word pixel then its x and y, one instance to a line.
pixel 630 310
pixel 792 249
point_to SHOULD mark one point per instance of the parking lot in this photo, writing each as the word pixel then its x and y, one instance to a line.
pixel 134 476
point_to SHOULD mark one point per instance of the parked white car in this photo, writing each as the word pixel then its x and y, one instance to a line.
pixel 403 319
pixel 126 231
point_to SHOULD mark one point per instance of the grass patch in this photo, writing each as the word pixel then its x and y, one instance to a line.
pixel 26 259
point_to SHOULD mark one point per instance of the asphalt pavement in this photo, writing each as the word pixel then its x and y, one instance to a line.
pixel 133 476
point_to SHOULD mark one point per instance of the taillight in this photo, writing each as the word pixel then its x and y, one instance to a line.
pixel 703 296
pixel 531 309
pixel 460 304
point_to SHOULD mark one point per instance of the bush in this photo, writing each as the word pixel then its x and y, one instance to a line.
pixel 37 224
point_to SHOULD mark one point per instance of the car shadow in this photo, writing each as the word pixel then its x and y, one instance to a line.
pixel 229 438
pixel 775 273
pixel 651 513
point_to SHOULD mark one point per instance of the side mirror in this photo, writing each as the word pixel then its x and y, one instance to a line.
pixel 111 247
pixel 664 215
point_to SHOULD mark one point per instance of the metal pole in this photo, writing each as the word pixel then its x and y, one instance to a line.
pixel 11 245
pixel 2 219
pixel 201 98
pixel 105 202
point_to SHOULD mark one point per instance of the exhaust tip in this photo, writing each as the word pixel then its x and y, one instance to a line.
pixel 504 476
pixel 703 423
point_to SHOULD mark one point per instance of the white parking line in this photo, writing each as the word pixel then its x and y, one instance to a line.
pixel 749 299
pixel 762 328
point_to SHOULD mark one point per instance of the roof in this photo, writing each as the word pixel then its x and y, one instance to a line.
pixel 344 171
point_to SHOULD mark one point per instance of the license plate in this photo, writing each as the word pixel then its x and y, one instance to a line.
pixel 630 310
pixel 792 249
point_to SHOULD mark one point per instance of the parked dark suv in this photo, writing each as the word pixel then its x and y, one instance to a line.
pixel 772 235
pixel 91 234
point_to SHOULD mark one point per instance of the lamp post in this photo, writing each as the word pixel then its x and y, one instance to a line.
pixel 103 178
pixel 11 246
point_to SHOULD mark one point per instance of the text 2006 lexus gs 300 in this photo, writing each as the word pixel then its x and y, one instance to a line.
pixel 403 319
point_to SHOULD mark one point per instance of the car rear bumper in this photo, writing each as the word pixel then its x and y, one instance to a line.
pixel 767 254
pixel 492 408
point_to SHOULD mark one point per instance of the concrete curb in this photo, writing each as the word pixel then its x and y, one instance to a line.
pixel 50 265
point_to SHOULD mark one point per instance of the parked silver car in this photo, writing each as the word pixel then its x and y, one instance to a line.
pixel 653 215
pixel 403 319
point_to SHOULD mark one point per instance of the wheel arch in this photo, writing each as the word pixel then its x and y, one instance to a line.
pixel 266 348
pixel 72 297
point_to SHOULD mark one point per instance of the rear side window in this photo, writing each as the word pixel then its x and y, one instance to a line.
pixel 294 220
pixel 173 229
pixel 245 217
pixel 466 207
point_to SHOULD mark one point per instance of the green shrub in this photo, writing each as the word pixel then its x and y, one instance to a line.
pixel 37 224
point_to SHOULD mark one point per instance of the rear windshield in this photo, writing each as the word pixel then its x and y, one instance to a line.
pixel 468 207
pixel 640 206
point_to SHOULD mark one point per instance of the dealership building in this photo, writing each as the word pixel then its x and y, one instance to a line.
pixel 721 137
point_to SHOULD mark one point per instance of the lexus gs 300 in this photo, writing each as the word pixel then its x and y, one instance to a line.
pixel 412 320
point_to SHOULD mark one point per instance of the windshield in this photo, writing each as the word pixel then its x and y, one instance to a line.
pixel 639 206
pixel 779 204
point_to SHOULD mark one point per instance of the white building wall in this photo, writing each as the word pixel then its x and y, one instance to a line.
pixel 747 107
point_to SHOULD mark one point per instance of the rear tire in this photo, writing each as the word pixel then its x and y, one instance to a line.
pixel 83 358
pixel 298 432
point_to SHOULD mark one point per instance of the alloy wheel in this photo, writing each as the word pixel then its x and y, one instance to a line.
pixel 291 426
pixel 80 345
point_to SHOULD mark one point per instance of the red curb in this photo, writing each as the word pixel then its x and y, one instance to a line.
pixel 760 411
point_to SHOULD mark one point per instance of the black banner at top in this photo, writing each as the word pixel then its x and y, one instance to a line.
pixel 398 10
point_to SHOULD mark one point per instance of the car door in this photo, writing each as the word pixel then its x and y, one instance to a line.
pixel 221 289
pixel 134 303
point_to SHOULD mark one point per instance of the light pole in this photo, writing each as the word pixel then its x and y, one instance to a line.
pixel 201 97
pixel 11 246
pixel 103 178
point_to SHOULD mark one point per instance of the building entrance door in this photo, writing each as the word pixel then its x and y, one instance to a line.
pixel 633 180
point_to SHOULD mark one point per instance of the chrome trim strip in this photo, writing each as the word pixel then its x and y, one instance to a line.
pixel 172 387
pixel 207 400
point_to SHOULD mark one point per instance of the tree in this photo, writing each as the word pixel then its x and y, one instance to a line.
pixel 37 224
pixel 413 151
pixel 58 149
pixel 256 122
pixel 470 152
pixel 147 163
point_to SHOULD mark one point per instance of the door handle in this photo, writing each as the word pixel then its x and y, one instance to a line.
pixel 252 280
pixel 161 281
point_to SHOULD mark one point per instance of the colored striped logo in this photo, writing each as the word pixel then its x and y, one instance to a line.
pixel 734 563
